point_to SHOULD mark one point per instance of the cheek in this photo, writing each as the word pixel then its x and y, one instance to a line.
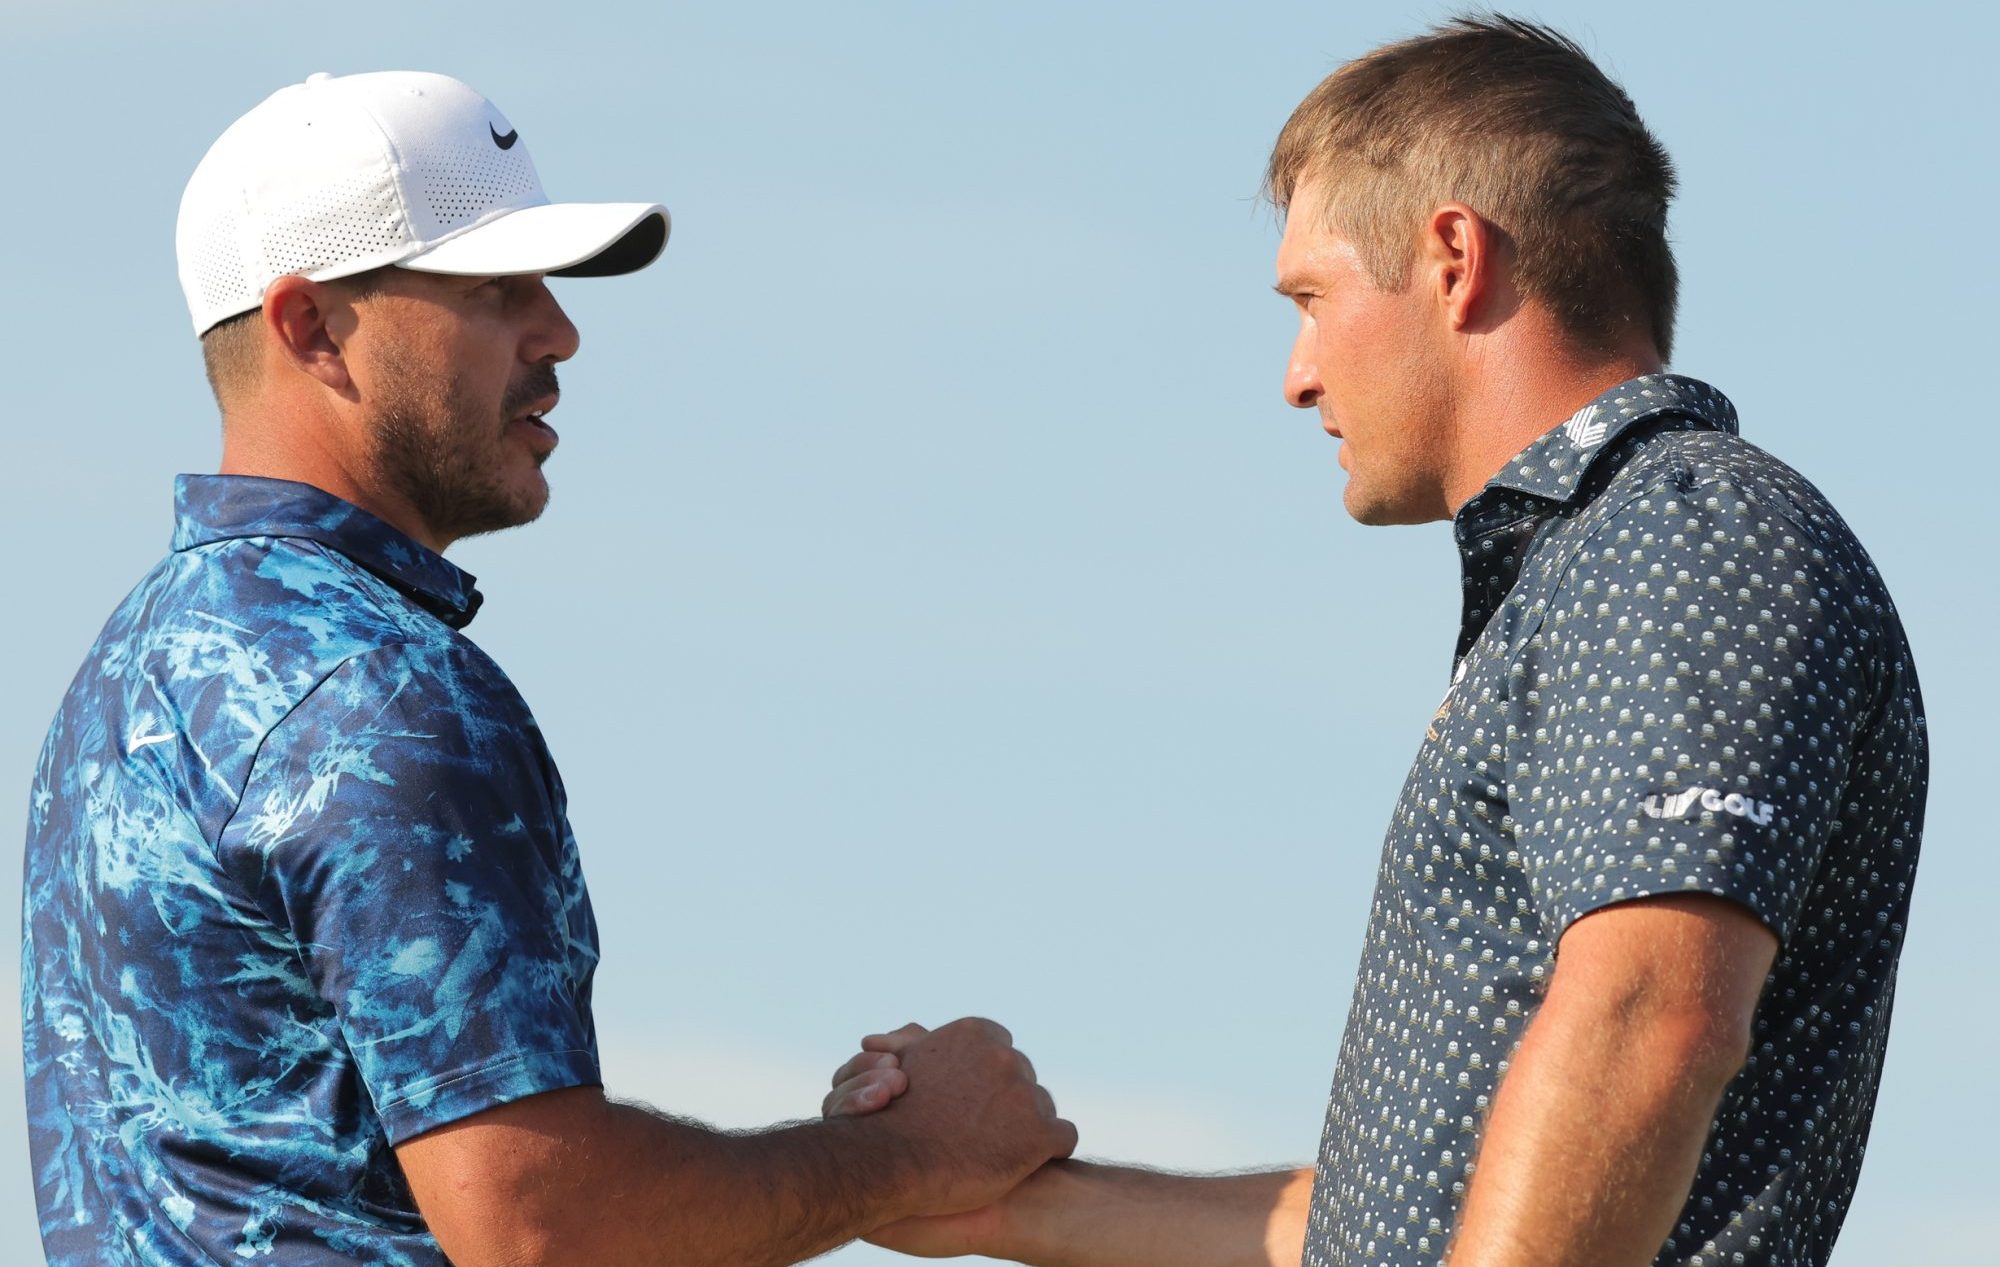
pixel 1378 345
pixel 1342 348
pixel 482 375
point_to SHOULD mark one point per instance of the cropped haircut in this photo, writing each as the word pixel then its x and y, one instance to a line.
pixel 231 349
pixel 1514 120
pixel 229 355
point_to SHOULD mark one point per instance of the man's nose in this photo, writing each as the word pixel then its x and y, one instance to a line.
pixel 1302 386
pixel 554 336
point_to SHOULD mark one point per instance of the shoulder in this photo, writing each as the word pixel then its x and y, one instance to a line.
pixel 232 640
pixel 448 683
pixel 1692 476
pixel 306 596
pixel 428 733
pixel 1704 560
pixel 1712 508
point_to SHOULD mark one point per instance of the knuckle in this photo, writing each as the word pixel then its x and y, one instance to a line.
pixel 977 1027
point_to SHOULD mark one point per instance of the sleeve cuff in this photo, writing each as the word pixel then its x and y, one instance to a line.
pixel 1670 863
pixel 434 1102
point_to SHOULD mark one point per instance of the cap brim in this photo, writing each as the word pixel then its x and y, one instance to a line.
pixel 569 239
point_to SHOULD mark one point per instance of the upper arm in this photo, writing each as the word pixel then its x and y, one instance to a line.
pixel 1688 967
pixel 403 829
pixel 496 1186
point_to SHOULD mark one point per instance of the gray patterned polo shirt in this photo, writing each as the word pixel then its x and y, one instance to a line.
pixel 1677 672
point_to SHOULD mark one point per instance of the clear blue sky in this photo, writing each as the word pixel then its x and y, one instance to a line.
pixel 939 610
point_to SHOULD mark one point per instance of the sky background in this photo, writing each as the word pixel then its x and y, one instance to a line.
pixel 939 611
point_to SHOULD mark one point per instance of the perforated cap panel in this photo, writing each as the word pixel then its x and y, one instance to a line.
pixel 325 227
pixel 212 264
pixel 459 185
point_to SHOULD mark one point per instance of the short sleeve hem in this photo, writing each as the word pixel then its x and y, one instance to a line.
pixel 449 1097
pixel 1666 864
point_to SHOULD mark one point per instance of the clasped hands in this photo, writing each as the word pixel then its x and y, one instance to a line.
pixel 978 1121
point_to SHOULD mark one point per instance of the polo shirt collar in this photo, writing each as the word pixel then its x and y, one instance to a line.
pixel 211 508
pixel 1553 466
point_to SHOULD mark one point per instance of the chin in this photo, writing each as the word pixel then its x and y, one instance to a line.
pixel 536 494
pixel 1378 510
pixel 529 507
pixel 530 497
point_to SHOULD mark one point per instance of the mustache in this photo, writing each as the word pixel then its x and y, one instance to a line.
pixel 537 383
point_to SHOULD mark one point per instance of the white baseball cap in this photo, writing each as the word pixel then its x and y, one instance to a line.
pixel 340 175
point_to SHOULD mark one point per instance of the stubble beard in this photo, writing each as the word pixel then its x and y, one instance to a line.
pixel 444 456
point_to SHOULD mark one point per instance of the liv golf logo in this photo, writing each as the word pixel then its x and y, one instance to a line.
pixel 1677 804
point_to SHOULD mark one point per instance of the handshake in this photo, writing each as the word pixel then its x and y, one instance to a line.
pixel 933 1142
pixel 965 1103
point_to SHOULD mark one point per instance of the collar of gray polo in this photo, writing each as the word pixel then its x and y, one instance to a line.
pixel 1554 464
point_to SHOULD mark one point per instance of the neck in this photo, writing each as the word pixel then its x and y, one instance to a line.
pixel 293 445
pixel 1512 400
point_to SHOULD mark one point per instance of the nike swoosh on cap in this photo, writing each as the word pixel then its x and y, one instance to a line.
pixel 504 142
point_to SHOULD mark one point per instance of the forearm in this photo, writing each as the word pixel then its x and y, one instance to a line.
pixel 678 1193
pixel 1593 1142
pixel 1078 1214
pixel 613 1185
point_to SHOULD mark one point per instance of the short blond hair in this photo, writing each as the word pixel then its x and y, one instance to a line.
pixel 1514 120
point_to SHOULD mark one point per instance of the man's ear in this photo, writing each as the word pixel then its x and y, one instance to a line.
pixel 1457 254
pixel 309 324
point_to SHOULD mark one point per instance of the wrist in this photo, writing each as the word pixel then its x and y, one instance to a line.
pixel 1029 1224
pixel 909 1178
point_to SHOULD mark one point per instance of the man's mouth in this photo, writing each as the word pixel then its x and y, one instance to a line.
pixel 536 420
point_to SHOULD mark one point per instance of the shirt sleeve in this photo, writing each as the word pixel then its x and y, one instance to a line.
pixel 1685 714
pixel 405 825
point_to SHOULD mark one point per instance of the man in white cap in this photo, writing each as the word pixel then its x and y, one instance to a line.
pixel 307 952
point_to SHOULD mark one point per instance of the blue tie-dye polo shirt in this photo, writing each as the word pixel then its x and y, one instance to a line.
pixel 300 885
